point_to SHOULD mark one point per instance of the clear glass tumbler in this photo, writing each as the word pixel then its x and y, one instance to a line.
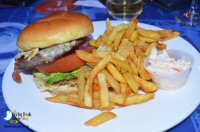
pixel 124 9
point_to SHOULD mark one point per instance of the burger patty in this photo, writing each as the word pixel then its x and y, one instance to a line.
pixel 47 55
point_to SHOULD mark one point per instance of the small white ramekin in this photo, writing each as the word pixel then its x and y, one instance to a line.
pixel 172 81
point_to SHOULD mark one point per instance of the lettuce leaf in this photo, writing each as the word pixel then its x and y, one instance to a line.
pixel 58 77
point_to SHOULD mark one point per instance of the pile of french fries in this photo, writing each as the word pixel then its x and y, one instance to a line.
pixel 114 75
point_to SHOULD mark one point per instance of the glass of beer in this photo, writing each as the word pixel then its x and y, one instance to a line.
pixel 124 9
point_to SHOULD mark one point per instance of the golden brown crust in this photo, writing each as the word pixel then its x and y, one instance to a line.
pixel 55 29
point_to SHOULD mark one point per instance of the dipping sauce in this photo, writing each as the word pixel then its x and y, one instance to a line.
pixel 169 69
pixel 160 62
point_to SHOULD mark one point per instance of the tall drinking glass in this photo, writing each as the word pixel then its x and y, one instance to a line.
pixel 124 9
pixel 192 16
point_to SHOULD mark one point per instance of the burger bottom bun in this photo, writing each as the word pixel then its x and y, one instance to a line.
pixel 64 87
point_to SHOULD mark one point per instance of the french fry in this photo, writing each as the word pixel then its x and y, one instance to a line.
pixel 140 44
pixel 165 33
pixel 133 55
pixel 128 59
pixel 139 52
pixel 88 91
pixel 84 55
pixel 161 46
pixel 144 74
pixel 100 54
pixel 109 86
pixel 97 106
pixel 133 36
pixel 96 101
pixel 122 70
pixel 131 28
pixel 62 98
pixel 109 48
pixel 116 98
pixel 118 39
pixel 151 46
pixel 62 90
pixel 109 26
pixel 134 67
pixel 104 98
pixel 71 99
pixel 110 79
pixel 114 33
pixel 123 89
pixel 105 37
pixel 138 98
pixel 125 48
pixel 115 73
pixel 95 81
pixel 100 119
pixel 91 64
pixel 99 41
pixel 128 91
pixel 86 74
pixel 95 91
pixel 131 82
pixel 148 40
pixel 174 35
pixel 138 79
pixel 118 68
pixel 148 33
pixel 81 84
pixel 118 56
pixel 93 43
pixel 122 64
pixel 147 86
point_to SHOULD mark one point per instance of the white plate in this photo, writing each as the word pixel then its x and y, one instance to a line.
pixel 165 111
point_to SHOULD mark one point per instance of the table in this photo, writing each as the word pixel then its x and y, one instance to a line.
pixel 163 19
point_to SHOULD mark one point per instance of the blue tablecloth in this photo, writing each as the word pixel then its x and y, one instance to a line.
pixel 150 15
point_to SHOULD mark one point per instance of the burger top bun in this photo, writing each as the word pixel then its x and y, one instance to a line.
pixel 55 29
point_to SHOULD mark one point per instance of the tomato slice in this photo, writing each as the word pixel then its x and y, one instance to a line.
pixel 64 64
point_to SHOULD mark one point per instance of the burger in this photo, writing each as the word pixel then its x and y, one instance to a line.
pixel 46 48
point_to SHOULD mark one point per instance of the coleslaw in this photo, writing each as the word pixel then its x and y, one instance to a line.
pixel 169 69
pixel 160 62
